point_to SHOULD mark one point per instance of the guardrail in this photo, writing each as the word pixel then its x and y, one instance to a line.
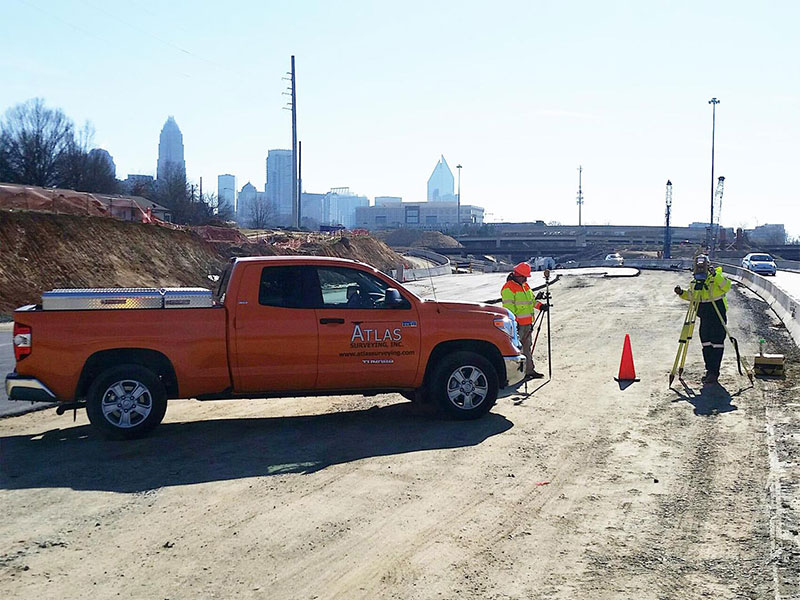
pixel 785 306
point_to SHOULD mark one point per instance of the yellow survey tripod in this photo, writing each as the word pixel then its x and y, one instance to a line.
pixel 702 268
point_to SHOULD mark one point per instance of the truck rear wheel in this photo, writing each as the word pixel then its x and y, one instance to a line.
pixel 126 402
pixel 464 385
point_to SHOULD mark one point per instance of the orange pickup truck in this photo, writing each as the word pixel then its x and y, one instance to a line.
pixel 275 326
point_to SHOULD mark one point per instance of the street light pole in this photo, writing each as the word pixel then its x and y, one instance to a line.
pixel 458 211
pixel 713 102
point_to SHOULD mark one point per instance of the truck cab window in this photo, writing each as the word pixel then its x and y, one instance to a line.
pixel 350 288
pixel 281 286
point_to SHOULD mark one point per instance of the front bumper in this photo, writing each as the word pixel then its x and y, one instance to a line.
pixel 27 389
pixel 515 369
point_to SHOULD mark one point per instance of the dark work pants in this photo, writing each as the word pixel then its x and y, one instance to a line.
pixel 712 335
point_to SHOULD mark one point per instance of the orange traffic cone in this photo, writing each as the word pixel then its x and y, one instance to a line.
pixel 626 370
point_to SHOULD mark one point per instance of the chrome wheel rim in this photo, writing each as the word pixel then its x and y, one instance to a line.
pixel 127 403
pixel 467 387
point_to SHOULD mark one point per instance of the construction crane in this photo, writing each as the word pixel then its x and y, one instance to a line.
pixel 667 232
pixel 717 212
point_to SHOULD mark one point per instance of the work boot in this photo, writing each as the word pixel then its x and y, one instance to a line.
pixel 709 379
pixel 534 375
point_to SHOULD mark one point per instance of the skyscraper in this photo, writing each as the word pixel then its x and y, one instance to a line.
pixel 226 190
pixel 279 185
pixel 441 183
pixel 170 149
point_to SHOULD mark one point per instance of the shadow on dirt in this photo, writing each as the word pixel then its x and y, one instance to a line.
pixel 203 451
pixel 711 400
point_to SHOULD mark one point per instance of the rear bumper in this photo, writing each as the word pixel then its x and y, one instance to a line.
pixel 515 369
pixel 27 389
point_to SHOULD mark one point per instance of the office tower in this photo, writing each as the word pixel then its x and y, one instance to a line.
pixel 279 185
pixel 170 150
pixel 441 183
pixel 226 190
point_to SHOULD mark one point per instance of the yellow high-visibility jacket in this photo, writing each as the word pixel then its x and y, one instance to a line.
pixel 519 300
pixel 715 289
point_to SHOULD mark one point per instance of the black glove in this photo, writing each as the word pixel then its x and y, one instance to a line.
pixel 544 307
pixel 678 290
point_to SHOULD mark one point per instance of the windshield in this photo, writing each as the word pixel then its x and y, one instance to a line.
pixel 761 257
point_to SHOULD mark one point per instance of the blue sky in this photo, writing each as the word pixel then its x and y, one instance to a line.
pixel 520 93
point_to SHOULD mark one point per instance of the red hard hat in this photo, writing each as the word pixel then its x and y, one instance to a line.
pixel 523 269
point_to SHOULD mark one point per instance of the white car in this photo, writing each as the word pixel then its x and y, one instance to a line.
pixel 614 259
pixel 760 263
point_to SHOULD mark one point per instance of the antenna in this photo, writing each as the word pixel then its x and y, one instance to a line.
pixel 433 287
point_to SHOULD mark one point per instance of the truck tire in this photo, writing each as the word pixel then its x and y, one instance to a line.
pixel 464 385
pixel 126 402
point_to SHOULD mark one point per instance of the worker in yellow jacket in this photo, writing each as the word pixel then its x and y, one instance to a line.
pixel 712 331
pixel 518 298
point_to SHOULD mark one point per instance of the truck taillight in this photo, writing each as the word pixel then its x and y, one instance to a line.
pixel 22 341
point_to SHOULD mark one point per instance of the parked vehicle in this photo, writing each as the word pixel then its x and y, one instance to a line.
pixel 760 263
pixel 614 259
pixel 276 326
pixel 540 263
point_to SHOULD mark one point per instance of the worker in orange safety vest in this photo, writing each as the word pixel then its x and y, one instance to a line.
pixel 518 298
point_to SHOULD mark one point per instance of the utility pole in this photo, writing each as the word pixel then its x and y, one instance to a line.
pixel 293 107
pixel 458 211
pixel 580 194
pixel 667 232
pixel 713 102
pixel 299 182
pixel 200 197
pixel 295 200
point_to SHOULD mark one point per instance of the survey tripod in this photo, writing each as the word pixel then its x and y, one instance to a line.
pixel 546 297
pixel 702 268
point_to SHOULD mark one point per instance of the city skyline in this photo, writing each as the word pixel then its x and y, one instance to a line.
pixel 521 96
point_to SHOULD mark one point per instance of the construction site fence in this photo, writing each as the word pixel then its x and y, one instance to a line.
pixel 785 306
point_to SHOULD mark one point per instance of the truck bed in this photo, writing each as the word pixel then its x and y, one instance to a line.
pixel 192 339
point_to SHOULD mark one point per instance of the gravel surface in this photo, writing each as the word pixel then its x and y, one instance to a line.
pixel 577 489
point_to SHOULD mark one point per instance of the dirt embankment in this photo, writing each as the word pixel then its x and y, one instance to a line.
pixel 417 238
pixel 40 251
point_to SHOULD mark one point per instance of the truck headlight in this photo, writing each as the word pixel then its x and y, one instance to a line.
pixel 508 325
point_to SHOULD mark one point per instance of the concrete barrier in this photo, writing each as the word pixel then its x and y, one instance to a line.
pixel 786 307
pixel 442 267
pixel 439 259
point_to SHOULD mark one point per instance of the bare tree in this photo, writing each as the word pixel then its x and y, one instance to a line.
pixel 71 165
pixel 99 174
pixel 221 210
pixel 261 213
pixel 33 141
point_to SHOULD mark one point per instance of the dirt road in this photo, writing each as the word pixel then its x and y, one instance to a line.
pixel 578 490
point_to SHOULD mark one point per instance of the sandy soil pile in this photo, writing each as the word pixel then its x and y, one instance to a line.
pixel 41 251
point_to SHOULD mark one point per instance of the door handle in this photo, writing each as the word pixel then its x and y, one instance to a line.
pixel 327 321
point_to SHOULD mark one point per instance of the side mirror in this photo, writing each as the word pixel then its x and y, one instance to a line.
pixel 394 299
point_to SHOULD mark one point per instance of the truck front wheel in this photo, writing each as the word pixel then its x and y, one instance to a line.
pixel 464 385
pixel 126 401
